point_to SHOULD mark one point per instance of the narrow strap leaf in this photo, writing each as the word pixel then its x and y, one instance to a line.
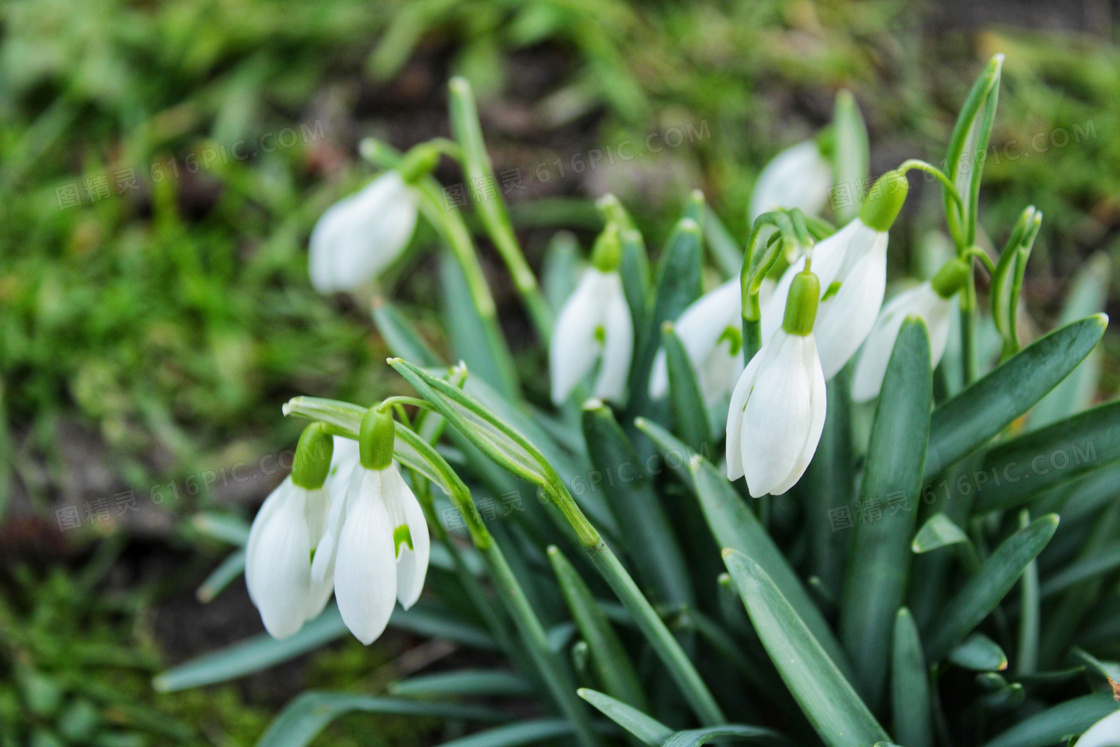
pixel 910 696
pixel 984 409
pixel 827 698
pixel 690 417
pixel 879 565
pixel 980 595
pixel 1065 720
pixel 646 728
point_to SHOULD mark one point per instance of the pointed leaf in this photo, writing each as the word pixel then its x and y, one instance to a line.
pixel 910 697
pixel 728 733
pixel 827 698
pixel 980 595
pixel 465 683
pixel 399 334
pixel 690 416
pixel 609 658
pixel 1065 720
pixel 230 568
pixel 980 654
pixel 649 730
pixel 306 716
pixel 939 531
pixel 851 150
pixel 979 413
pixel 879 564
pixel 1050 456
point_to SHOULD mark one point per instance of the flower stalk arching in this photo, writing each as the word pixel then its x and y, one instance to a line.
pixel 495 217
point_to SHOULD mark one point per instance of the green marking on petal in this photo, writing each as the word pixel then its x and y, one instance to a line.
pixel 600 334
pixel 402 535
pixel 832 290
pixel 734 337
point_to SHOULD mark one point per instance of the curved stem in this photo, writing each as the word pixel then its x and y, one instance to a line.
pixel 929 168
pixel 985 260
pixel 402 400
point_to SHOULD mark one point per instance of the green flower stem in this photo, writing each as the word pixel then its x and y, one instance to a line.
pixel 423 404
pixel 492 210
pixel 752 338
pixel 985 260
pixel 1029 622
pixel 645 616
pixel 915 164
pixel 968 330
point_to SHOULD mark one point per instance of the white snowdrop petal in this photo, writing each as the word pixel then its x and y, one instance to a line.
pixel 362 234
pixel 574 348
pixel 939 320
pixel 818 408
pixel 412 563
pixel 343 461
pixel 845 319
pixel 876 354
pixel 777 416
pixel 739 397
pixel 282 572
pixel 798 177
pixel 275 499
pixel 365 579
pixel 322 565
pixel 1104 733
pixel 618 345
pixel 700 328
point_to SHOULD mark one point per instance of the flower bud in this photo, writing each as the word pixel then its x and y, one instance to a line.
pixel 375 439
pixel 951 278
pixel 312 462
pixel 801 308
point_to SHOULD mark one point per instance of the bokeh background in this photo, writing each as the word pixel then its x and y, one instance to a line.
pixel 162 164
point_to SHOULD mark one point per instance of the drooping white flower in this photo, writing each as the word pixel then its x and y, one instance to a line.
pixel 710 330
pixel 376 546
pixel 360 235
pixel 798 177
pixel 594 325
pixel 285 532
pixel 343 463
pixel 932 301
pixel 1104 733
pixel 778 407
pixel 852 267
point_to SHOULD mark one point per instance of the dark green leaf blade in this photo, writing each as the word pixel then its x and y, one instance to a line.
pixel 879 564
pixel 647 729
pixel 980 595
pixel 1069 719
pixel 827 698
pixel 910 697
pixel 979 413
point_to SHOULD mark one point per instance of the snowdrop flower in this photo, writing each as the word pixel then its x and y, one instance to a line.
pixel 932 301
pixel 594 324
pixel 798 177
pixel 711 331
pixel 285 532
pixel 360 235
pixel 1104 733
pixel 778 407
pixel 376 546
pixel 852 267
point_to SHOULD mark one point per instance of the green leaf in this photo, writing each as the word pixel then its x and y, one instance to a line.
pixel 1051 456
pixel 525 732
pixel 230 568
pixel 690 417
pixel 263 651
pixel 496 438
pixel 730 733
pixel 679 283
pixel 967 148
pixel 827 698
pixel 559 270
pixel 1064 721
pixel 980 654
pixel 649 730
pixel 1007 280
pixel 910 696
pixel 225 527
pixel 938 531
pixel 829 485
pixel 1083 568
pixel 1088 296
pixel 481 683
pixel 879 564
pixel 611 662
pixel 647 535
pixel 851 150
pixel 984 409
pixel 983 592
pixel 735 526
pixel 306 716
pixel 726 250
pixel 475 340
pixel 399 334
